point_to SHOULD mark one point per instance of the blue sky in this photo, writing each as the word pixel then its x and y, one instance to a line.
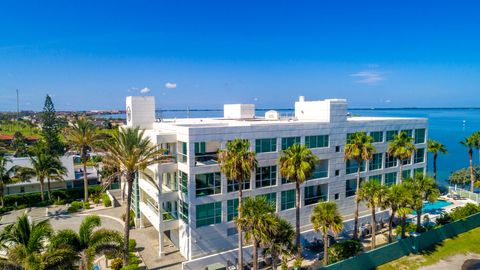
pixel 91 54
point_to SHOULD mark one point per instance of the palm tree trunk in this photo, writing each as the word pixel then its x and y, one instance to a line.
pixel 374 227
pixel 472 176
pixel 325 249
pixel 274 260
pixel 357 202
pixel 401 173
pixel 1 193
pixel 390 223
pixel 404 224
pixel 126 233
pixel 240 234
pixel 297 219
pixel 435 166
pixel 85 178
pixel 255 254
pixel 48 189
pixel 42 195
pixel 419 216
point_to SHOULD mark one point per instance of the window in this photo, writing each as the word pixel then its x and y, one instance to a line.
pixel 208 184
pixel 408 131
pixel 419 155
pixel 182 151
pixel 232 209
pixel 315 194
pixel 352 166
pixel 337 148
pixel 390 134
pixel 377 178
pixel 170 180
pixel 316 141
pixel 390 178
pixel 22 189
pixel 271 198
pixel 286 181
pixel 377 136
pixel 288 199
pixel 351 187
pixel 266 145
pixel 183 210
pixel 376 162
pixel 209 213
pixel 321 170
pixel 183 180
pixel 419 170
pixel 337 172
pixel 406 174
pixel 420 135
pixel 266 176
pixel 232 185
pixel 407 161
pixel 287 142
pixel 337 196
pixel 200 148
pixel 390 161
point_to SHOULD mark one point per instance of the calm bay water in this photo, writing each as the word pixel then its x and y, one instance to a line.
pixel 448 126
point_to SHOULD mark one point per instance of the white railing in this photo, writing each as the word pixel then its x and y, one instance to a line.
pixel 464 193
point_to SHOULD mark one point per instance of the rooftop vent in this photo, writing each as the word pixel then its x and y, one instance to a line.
pixel 272 115
pixel 239 111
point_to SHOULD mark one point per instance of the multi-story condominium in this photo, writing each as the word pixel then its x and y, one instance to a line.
pixel 196 204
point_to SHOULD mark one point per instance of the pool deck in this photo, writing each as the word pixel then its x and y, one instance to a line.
pixel 446 209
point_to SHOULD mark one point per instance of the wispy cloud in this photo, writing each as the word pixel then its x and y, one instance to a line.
pixel 369 77
pixel 145 90
pixel 170 85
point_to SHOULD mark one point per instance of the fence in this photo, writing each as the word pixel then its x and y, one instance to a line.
pixel 464 193
pixel 403 247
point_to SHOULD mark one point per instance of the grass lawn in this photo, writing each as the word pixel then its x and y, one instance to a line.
pixel 462 244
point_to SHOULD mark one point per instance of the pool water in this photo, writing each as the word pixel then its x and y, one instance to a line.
pixel 435 207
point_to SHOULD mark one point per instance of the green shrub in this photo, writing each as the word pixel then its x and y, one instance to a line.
pixel 443 219
pixel 59 202
pixel 132 218
pixel 343 250
pixel 96 200
pixel 86 205
pixel 130 267
pixel 132 244
pixel 75 206
pixel 106 200
pixel 116 264
pixel 409 227
pixel 464 211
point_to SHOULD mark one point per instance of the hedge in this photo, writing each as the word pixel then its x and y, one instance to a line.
pixel 34 199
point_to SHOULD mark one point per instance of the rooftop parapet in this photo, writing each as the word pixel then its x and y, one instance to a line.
pixel 331 110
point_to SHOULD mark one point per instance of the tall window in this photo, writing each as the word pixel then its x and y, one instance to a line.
pixel 183 181
pixel 207 184
pixel 182 151
pixel 390 134
pixel 289 141
pixel 288 199
pixel 232 185
pixel 266 176
pixel 406 174
pixel 209 213
pixel 390 161
pixel 170 180
pixel 352 166
pixel 419 155
pixel 420 135
pixel 377 178
pixel 271 198
pixel 317 141
pixel 183 210
pixel 377 136
pixel 315 194
pixel 376 162
pixel 390 178
pixel 232 209
pixel 321 170
pixel 351 187
pixel 266 145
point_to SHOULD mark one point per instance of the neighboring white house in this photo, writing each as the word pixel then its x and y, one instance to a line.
pixel 196 204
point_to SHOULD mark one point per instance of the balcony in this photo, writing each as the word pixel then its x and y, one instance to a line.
pixel 206 153
pixel 206 159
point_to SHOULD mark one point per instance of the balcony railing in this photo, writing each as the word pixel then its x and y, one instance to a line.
pixel 206 159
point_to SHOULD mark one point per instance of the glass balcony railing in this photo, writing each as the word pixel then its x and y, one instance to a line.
pixel 206 159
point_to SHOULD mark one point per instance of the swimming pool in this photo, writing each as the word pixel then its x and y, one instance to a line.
pixel 435 208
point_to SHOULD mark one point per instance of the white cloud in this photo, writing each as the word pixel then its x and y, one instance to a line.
pixel 145 90
pixel 368 77
pixel 170 85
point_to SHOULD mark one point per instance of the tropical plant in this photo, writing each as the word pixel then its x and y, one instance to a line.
pixel 462 176
pixel 237 163
pixel 19 144
pixel 88 242
pixel 397 198
pixel 51 129
pixel 279 242
pixel 256 219
pixel 325 217
pixel 436 147
pixel 401 148
pixel 25 243
pixel 423 188
pixel 373 193
pixel 344 250
pixel 83 136
pixel 131 153
pixel 297 164
pixel 360 149
pixel 471 143
pixel 7 176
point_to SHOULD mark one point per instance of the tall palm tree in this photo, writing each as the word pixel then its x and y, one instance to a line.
pixel 436 147
pixel 256 219
pixel 373 193
pixel 360 149
pixel 25 243
pixel 401 148
pixel 7 176
pixel 325 217
pixel 423 188
pixel 471 143
pixel 280 242
pixel 297 164
pixel 237 163
pixel 88 242
pixel 83 136
pixel 131 153
pixel 396 198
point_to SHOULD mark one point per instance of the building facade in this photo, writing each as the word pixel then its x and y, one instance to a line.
pixel 196 204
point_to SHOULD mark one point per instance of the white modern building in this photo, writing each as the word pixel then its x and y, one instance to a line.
pixel 196 204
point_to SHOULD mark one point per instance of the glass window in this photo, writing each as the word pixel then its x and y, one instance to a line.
pixel 419 170
pixel 377 136
pixel 390 161
pixel 420 135
pixel 266 176
pixel 288 199
pixel 286 181
pixel 352 166
pixel 289 141
pixel 351 187
pixel 183 181
pixel 182 151
pixel 390 134
pixel 315 194
pixel 408 131
pixel 271 198
pixel 419 155
pixel 232 209
pixel 209 213
pixel 208 184
pixel 390 178
pixel 376 162
pixel 232 185
pixel 183 210
pixel 199 148
pixel 266 145
pixel 321 170
pixel 377 178
pixel 406 174
pixel 170 180
pixel 317 141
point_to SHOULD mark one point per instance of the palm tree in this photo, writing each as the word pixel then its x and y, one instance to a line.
pixel 280 242
pixel 131 153
pixel 87 243
pixel 470 143
pixel 256 219
pixel 297 164
pixel 7 176
pixel 83 136
pixel 373 193
pixel 360 149
pixel 436 147
pixel 396 198
pixel 401 148
pixel 325 217
pixel 237 163
pixel 25 241
pixel 422 188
